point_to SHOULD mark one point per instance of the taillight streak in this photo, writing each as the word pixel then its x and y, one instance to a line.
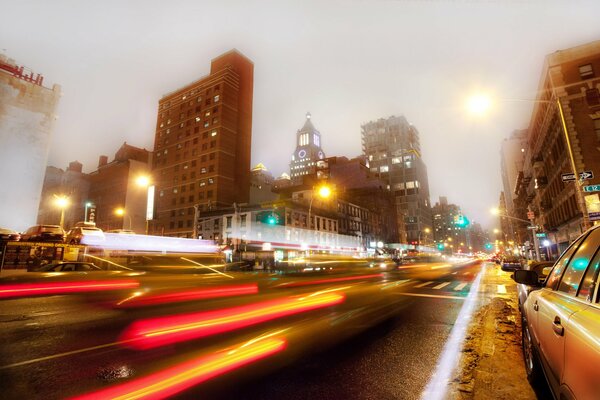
pixel 175 379
pixel 331 280
pixel 51 288
pixel 155 332
pixel 188 295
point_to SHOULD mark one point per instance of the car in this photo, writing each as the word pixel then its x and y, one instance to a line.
pixel 44 233
pixel 9 234
pixel 561 321
pixel 511 264
pixel 77 233
pixel 122 231
pixel 69 266
pixel 542 268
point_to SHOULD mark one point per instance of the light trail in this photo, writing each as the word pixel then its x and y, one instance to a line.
pixel 438 384
pixel 54 288
pixel 155 332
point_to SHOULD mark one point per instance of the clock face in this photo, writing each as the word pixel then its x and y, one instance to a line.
pixel 321 155
pixel 302 153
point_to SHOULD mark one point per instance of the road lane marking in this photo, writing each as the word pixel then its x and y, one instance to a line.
pixel 501 289
pixel 435 296
pixel 424 284
pixel 461 286
pixel 441 285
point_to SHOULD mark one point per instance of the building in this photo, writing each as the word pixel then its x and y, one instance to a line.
pixel 261 185
pixel 119 200
pixel 202 144
pixel 571 77
pixel 393 151
pixel 445 230
pixel 26 124
pixel 71 183
pixel 308 152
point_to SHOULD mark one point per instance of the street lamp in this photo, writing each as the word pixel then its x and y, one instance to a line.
pixel 478 104
pixel 324 192
pixel 62 202
pixel 427 231
pixel 121 212
pixel 531 226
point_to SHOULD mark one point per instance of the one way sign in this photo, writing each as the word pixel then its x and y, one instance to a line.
pixel 582 176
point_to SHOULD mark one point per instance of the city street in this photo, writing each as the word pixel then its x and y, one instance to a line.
pixel 62 347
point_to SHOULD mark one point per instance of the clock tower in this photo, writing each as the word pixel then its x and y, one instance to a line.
pixel 308 151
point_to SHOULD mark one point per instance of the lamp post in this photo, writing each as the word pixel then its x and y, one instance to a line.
pixel 531 226
pixel 479 104
pixel 121 212
pixel 426 230
pixel 62 202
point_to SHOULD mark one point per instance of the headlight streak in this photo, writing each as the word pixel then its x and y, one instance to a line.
pixel 438 384
pixel 180 377
pixel 207 267
pixel 329 280
pixel 55 288
pixel 140 300
pixel 156 332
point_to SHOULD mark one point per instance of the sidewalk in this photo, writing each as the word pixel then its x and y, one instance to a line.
pixel 491 365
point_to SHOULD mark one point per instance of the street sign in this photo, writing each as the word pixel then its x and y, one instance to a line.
pixel 541 234
pixel 570 177
pixel 594 216
pixel 533 227
pixel 591 188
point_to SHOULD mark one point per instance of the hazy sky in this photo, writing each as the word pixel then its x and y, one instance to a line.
pixel 345 62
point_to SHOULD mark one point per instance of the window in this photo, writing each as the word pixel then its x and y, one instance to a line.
pixel 590 280
pixel 243 221
pixel 559 267
pixel 213 133
pixel 578 264
pixel 316 140
pixel 216 98
pixel 211 181
pixel 304 139
pixel 597 128
pixel 384 168
pixel 206 124
pixel 586 71
pixel 396 160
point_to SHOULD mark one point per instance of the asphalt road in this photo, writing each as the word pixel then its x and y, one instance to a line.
pixel 55 347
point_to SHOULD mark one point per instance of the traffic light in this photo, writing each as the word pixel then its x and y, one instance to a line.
pixel 270 218
pixel 488 246
pixel 461 221
pixel 440 246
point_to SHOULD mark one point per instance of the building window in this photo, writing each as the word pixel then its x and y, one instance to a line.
pixel 316 140
pixel 211 181
pixel 213 133
pixel 243 221
pixel 209 193
pixel 384 168
pixel 228 222
pixel 216 98
pixel 206 124
pixel 586 71
pixel 597 128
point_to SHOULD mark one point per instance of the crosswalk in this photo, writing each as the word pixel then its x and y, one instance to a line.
pixel 447 286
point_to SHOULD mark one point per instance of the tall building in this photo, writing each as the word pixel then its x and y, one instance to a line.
pixel 202 144
pixel 113 186
pixel 393 151
pixel 71 183
pixel 261 185
pixel 445 229
pixel 572 77
pixel 512 152
pixel 26 124
pixel 307 153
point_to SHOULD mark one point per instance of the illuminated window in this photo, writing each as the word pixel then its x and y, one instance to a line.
pixel 197 119
pixel 206 124
pixel 216 98
pixel 586 71
pixel 316 139
pixel 396 160
pixel 213 133
pixel 206 114
pixel 384 168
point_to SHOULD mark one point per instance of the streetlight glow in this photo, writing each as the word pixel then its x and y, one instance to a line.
pixel 143 181
pixel 120 212
pixel 479 104
pixel 324 192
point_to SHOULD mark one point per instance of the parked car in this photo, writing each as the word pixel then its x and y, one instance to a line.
pixel 69 266
pixel 44 233
pixel 542 268
pixel 76 234
pixel 561 321
pixel 9 234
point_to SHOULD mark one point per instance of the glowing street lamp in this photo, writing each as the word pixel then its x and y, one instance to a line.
pixel 62 202
pixel 479 104
pixel 121 213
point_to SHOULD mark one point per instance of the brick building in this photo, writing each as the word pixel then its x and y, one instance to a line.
pixel 202 144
